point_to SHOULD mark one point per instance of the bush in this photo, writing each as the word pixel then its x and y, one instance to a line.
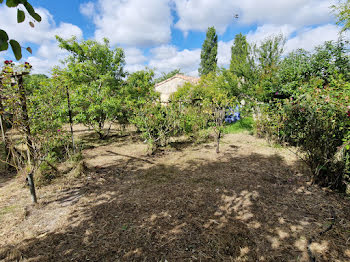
pixel 319 124
pixel 158 123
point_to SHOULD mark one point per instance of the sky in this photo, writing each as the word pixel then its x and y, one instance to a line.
pixel 167 34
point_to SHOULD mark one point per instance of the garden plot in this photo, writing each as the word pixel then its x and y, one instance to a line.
pixel 251 202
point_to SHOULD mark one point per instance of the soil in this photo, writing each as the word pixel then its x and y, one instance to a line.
pixel 250 202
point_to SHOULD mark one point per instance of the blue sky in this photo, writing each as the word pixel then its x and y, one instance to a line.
pixel 167 34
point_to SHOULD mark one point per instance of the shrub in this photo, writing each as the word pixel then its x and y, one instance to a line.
pixel 318 123
pixel 157 123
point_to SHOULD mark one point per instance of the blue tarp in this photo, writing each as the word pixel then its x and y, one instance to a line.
pixel 232 115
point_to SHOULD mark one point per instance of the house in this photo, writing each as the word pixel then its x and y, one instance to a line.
pixel 169 86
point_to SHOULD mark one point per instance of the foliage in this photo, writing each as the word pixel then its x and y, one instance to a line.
pixel 95 71
pixel 294 71
pixel 240 56
pixel 4 39
pixel 205 104
pixel 268 57
pixel 158 123
pixel 45 111
pixel 270 53
pixel 342 11
pixel 166 76
pixel 330 59
pixel 300 67
pixel 43 127
pixel 33 81
pixel 136 91
pixel 209 53
pixel 318 123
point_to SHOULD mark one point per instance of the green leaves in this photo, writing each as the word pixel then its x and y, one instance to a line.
pixel 32 12
pixel 209 53
pixel 95 71
pixel 240 56
pixel 3 40
pixel 16 48
pixel 20 16
pixel 342 12
pixel 12 3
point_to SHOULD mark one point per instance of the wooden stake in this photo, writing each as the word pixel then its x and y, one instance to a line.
pixel 32 187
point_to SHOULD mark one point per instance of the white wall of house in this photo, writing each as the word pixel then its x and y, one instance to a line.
pixel 171 85
pixel 168 87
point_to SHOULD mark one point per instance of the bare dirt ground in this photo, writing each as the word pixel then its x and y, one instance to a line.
pixel 251 202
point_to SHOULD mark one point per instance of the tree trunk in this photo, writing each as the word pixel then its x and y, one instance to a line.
pixel 25 117
pixel 3 130
pixel 3 134
pixel 100 130
pixel 70 119
pixel 32 187
pixel 27 134
pixel 218 142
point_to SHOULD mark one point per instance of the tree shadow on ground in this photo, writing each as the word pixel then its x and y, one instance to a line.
pixel 6 174
pixel 241 208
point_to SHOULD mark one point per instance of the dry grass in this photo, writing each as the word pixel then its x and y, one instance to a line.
pixel 252 202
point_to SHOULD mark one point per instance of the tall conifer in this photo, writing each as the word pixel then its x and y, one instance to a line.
pixel 209 53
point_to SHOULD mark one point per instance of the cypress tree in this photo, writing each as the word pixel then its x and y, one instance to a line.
pixel 239 56
pixel 209 53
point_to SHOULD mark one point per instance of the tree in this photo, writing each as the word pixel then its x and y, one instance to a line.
pixel 239 56
pixel 342 12
pixel 268 57
pixel 329 59
pixel 295 70
pixel 96 73
pixel 136 91
pixel 204 104
pixel 158 123
pixel 209 53
pixel 270 53
pixel 15 102
pixel 4 39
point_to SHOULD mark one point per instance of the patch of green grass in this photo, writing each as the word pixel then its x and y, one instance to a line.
pixel 6 210
pixel 245 124
pixel 276 145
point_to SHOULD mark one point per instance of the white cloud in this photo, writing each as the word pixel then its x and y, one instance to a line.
pixel 43 35
pixel 168 58
pixel 135 59
pixel 311 37
pixel 200 14
pixel 224 53
pixel 164 58
pixel 41 65
pixel 256 36
pixel 136 23
pixel 43 31
pixel 307 38
pixel 296 12
pixel 134 68
pixel 267 30
pixel 87 9
pixel 134 56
